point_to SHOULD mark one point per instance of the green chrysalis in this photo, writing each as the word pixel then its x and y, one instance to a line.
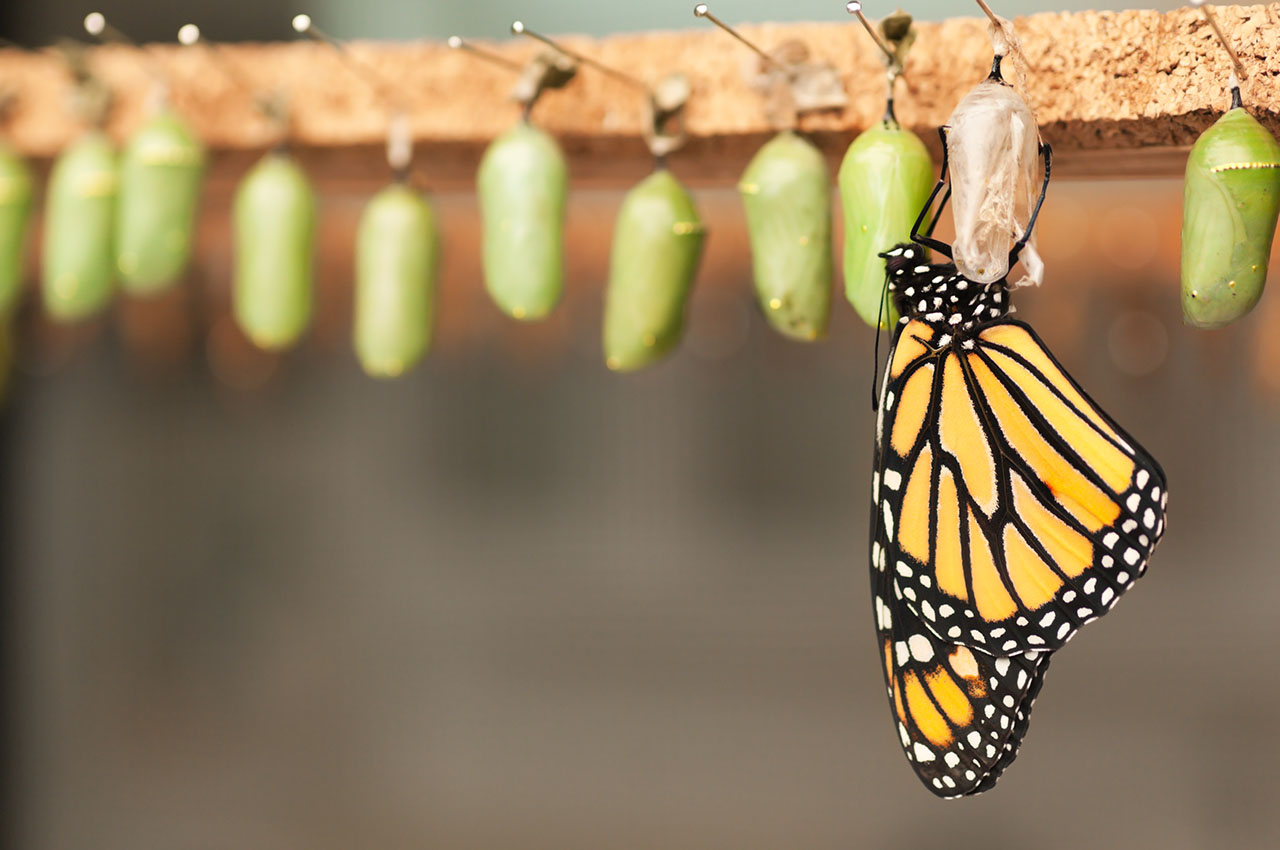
pixel 1230 204
pixel 885 180
pixel 786 191
pixel 15 210
pixel 160 172
pixel 657 243
pixel 397 253
pixel 274 229
pixel 79 239
pixel 522 182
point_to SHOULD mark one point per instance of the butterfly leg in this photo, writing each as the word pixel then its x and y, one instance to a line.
pixel 926 239
pixel 1047 152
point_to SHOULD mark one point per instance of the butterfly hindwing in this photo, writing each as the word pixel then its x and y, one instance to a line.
pixel 1015 509
pixel 960 714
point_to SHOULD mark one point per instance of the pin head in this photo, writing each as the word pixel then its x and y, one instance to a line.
pixel 700 11
pixel 455 42
pixel 853 7
pixel 517 27
pixel 301 23
pixel 188 34
pixel 95 23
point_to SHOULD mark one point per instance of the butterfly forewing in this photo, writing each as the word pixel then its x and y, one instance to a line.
pixel 1015 510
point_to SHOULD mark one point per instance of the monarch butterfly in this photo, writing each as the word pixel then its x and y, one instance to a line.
pixel 1008 510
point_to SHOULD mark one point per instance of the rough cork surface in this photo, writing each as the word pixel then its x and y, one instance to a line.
pixel 1116 93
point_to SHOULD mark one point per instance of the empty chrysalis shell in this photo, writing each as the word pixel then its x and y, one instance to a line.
pixel 397 253
pixel 15 211
pixel 786 191
pixel 522 183
pixel 885 180
pixel 78 257
pixel 993 145
pixel 274 230
pixel 657 243
pixel 1230 205
pixel 160 172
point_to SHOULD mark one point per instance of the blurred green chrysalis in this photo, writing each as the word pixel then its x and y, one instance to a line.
pixel 160 172
pixel 1230 204
pixel 885 180
pixel 522 183
pixel 786 191
pixel 397 253
pixel 79 240
pixel 15 210
pixel 657 243
pixel 274 221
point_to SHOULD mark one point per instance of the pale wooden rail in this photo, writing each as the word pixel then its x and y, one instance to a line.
pixel 1117 94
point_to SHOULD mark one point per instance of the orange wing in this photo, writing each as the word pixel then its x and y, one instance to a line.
pixel 960 714
pixel 1014 510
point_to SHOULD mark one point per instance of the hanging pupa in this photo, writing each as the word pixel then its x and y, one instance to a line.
pixel 993 145
pixel 397 264
pixel 786 191
pixel 523 183
pixel 273 223
pixel 160 172
pixel 397 244
pixel 273 228
pixel 16 190
pixel 78 252
pixel 78 260
pixel 657 243
pixel 885 179
pixel 397 257
pixel 1230 206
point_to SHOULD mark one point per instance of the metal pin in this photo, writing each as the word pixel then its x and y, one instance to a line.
pixel 387 90
pixel 701 11
pixel 189 35
pixel 1222 38
pixel 273 105
pixel 854 7
pixel 518 28
pixel 458 43
pixel 96 25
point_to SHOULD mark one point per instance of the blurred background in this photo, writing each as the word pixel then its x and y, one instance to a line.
pixel 513 600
